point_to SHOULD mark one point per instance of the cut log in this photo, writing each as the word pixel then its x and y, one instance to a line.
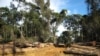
pixel 77 51
pixel 81 50
pixel 84 47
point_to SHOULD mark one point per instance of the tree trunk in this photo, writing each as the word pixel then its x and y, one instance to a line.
pixel 3 49
pixel 54 39
pixel 21 32
pixel 94 43
pixel 13 38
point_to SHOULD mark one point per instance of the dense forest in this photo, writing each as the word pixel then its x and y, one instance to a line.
pixel 36 22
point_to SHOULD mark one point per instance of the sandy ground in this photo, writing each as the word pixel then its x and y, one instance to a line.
pixel 37 51
pixel 43 51
pixel 47 51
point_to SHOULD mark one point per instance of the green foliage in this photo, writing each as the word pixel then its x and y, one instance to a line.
pixel 36 20
pixel 65 38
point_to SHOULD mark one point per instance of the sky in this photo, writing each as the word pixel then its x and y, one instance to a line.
pixel 72 7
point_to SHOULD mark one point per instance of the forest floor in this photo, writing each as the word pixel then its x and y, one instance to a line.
pixel 50 50
pixel 41 51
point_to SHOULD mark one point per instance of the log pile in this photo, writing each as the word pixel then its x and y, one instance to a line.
pixel 83 47
pixel 35 44
pixel 81 50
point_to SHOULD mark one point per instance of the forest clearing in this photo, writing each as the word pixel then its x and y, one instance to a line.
pixel 49 27
pixel 48 49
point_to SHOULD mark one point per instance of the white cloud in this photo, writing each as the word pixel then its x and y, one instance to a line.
pixel 60 29
pixel 29 0
pixel 69 12
pixel 57 5
pixel 4 3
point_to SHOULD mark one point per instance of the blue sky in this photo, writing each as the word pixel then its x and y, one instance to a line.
pixel 72 6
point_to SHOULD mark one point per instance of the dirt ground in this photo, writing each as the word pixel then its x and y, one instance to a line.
pixel 47 51
pixel 43 51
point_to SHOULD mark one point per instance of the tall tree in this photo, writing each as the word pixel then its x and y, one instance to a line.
pixel 93 17
pixel 56 21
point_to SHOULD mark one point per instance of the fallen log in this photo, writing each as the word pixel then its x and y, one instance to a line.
pixel 77 51
pixel 81 50
pixel 84 47
pixel 80 54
